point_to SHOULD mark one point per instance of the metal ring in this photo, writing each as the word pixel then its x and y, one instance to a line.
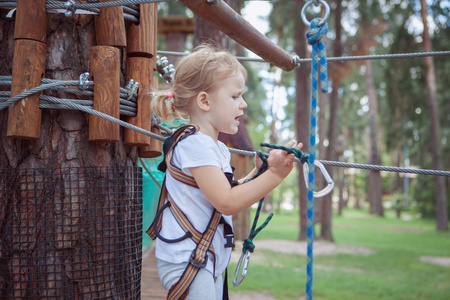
pixel 327 12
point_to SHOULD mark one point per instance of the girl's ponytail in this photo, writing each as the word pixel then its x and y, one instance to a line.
pixel 164 106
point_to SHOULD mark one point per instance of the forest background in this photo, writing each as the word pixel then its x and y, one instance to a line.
pixel 392 112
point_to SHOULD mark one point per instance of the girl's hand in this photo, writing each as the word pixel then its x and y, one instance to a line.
pixel 280 162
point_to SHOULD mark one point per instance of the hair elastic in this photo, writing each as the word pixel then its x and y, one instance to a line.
pixel 170 95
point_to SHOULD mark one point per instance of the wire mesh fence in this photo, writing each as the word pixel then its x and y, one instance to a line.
pixel 71 233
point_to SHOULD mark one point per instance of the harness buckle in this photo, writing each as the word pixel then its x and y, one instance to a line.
pixel 197 264
pixel 229 241
pixel 237 281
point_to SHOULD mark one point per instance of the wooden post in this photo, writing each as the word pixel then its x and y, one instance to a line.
pixel 155 31
pixel 24 118
pixel 140 69
pixel 110 26
pixel 222 16
pixel 31 20
pixel 155 147
pixel 105 69
pixel 140 38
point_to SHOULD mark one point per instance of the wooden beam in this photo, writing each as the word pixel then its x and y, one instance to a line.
pixel 232 24
pixel 176 24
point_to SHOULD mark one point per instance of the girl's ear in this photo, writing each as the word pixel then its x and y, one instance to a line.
pixel 203 101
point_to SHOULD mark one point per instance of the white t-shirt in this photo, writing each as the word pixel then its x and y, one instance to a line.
pixel 194 151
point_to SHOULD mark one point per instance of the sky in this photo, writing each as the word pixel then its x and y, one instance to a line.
pixel 255 12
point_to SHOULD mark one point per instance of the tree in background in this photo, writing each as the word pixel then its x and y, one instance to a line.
pixel 440 196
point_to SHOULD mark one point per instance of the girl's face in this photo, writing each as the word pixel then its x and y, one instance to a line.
pixel 228 104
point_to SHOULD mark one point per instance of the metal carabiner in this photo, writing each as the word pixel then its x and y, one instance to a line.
pixel 330 183
pixel 307 4
pixel 237 282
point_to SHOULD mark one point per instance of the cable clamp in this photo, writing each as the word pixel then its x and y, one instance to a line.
pixel 132 88
pixel 84 81
pixel 69 5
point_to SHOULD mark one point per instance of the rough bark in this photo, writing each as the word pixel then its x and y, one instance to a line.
pixel 326 232
pixel 302 108
pixel 67 200
pixel 374 193
pixel 440 197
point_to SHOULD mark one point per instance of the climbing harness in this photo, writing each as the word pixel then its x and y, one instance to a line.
pixel 199 256
pixel 248 246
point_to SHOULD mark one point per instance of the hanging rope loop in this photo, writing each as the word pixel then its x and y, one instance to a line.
pixel 315 35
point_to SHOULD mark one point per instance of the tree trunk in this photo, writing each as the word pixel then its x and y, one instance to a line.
pixel 440 197
pixel 374 193
pixel 327 208
pixel 301 108
pixel 70 208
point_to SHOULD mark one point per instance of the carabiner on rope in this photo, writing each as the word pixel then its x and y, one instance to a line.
pixel 330 183
pixel 246 258
pixel 325 18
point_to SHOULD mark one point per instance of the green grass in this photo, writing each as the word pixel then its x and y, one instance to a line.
pixel 394 271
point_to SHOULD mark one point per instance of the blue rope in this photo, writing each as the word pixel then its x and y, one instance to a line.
pixel 314 36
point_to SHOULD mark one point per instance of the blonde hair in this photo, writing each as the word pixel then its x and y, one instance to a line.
pixel 202 70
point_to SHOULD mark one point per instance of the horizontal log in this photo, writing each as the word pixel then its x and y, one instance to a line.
pixel 222 16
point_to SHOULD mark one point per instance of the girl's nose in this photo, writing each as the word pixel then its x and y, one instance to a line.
pixel 243 104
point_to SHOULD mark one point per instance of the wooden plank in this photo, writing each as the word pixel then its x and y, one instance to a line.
pixel 151 287
pixel 140 69
pixel 105 70
pixel 221 15
pixel 140 37
pixel 31 20
pixel 24 118
pixel 110 26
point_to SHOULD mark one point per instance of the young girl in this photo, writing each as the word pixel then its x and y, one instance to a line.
pixel 208 88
